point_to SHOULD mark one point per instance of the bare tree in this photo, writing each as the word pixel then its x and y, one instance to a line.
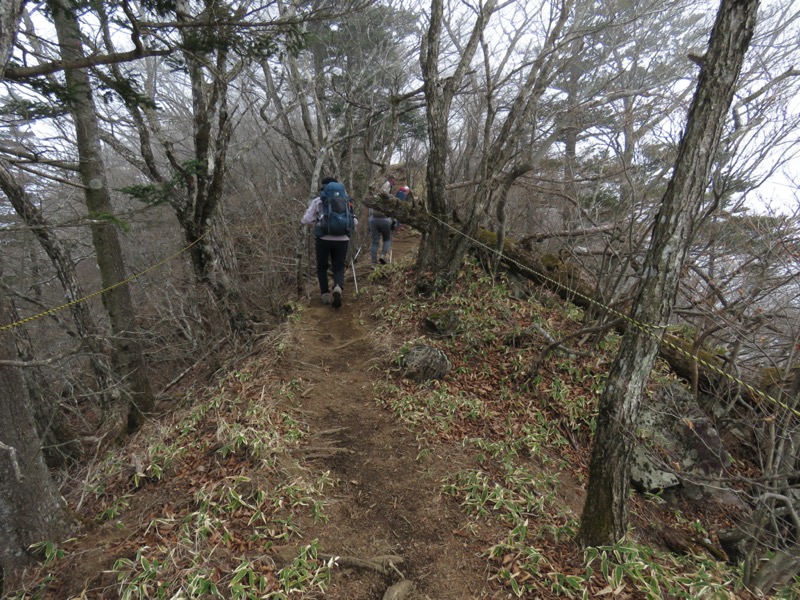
pixel 437 253
pixel 343 100
pixel 517 125
pixel 211 57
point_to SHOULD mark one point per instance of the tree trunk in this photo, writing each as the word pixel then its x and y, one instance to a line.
pixel 431 256
pixel 604 517
pixel 30 505
pixel 440 253
pixel 128 361
pixel 64 266
pixel 9 20
pixel 778 570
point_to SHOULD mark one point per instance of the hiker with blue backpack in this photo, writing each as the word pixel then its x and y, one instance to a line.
pixel 331 214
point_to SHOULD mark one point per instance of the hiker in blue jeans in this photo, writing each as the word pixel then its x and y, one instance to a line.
pixel 380 228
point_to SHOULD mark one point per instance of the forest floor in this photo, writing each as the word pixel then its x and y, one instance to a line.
pixel 304 466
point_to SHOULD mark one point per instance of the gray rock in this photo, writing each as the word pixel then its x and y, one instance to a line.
pixel 678 444
pixel 442 324
pixel 422 363
pixel 646 476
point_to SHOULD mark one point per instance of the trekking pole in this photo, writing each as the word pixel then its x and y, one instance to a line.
pixel 301 248
pixel 353 264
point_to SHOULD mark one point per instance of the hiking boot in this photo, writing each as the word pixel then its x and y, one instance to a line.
pixel 326 298
pixel 337 297
pixel 382 260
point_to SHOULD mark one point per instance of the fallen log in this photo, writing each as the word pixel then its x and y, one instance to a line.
pixel 408 213
pixel 547 270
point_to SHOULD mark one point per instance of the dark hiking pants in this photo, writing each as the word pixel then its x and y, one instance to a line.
pixel 334 251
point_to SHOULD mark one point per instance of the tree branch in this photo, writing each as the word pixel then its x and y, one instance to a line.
pixel 22 73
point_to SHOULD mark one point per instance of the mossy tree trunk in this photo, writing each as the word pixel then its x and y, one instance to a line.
pixel 440 252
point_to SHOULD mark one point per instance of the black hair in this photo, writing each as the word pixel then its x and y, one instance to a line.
pixel 326 180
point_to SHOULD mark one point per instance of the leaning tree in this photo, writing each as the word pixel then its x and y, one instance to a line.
pixel 604 517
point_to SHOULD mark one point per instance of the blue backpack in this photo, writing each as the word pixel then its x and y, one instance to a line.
pixel 337 211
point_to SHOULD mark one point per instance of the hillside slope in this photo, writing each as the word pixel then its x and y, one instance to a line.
pixel 305 466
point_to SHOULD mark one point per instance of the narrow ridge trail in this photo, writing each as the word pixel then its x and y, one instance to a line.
pixel 396 536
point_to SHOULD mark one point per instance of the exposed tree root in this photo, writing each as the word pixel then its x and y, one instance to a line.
pixel 348 343
pixel 330 431
pixel 384 565
pixel 323 451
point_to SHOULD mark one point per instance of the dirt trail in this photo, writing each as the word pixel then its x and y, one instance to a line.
pixel 386 505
